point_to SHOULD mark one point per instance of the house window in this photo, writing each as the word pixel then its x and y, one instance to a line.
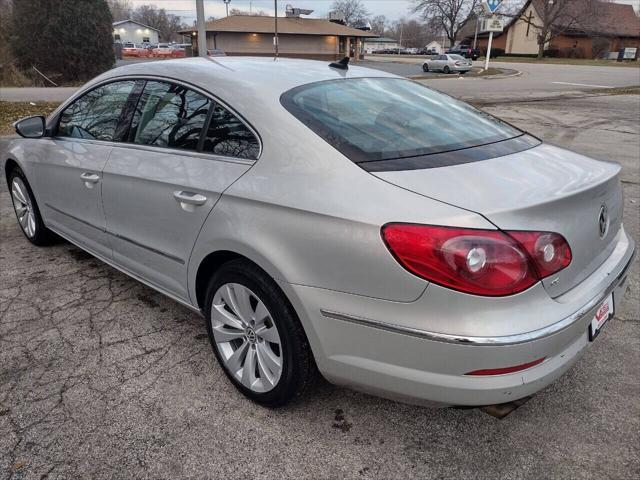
pixel 117 37
pixel 145 39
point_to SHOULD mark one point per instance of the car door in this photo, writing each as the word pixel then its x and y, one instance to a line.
pixel 184 149
pixel 70 173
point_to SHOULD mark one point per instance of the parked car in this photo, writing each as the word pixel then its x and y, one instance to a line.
pixel 132 50
pixel 215 52
pixel 465 51
pixel 447 63
pixel 163 50
pixel 178 51
pixel 427 51
pixel 400 240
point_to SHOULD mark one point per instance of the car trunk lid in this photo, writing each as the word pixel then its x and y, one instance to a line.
pixel 544 189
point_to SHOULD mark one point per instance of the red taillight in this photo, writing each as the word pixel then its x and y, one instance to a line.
pixel 505 370
pixel 481 262
pixel 457 64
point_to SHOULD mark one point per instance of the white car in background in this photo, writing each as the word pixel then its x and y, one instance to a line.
pixel 447 63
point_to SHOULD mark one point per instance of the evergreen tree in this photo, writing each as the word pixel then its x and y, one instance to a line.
pixel 70 40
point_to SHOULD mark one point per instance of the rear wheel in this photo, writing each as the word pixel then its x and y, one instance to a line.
pixel 256 335
pixel 446 69
pixel 27 212
pixel 425 67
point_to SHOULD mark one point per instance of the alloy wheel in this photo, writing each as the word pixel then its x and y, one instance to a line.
pixel 23 207
pixel 246 337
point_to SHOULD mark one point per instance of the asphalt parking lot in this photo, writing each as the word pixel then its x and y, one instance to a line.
pixel 101 377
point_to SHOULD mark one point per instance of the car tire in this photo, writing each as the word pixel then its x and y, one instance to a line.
pixel 27 211
pixel 446 69
pixel 263 384
pixel 425 67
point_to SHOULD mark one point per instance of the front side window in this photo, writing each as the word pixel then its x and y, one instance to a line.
pixel 170 116
pixel 96 114
pixel 229 137
pixel 385 119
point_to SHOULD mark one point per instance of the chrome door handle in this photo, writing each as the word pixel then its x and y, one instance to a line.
pixel 89 179
pixel 189 200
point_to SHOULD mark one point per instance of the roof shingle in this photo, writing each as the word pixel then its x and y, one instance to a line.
pixel 286 25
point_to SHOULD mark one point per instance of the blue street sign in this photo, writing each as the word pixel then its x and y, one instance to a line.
pixel 492 5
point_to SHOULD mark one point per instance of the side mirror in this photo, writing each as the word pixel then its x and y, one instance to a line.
pixel 31 127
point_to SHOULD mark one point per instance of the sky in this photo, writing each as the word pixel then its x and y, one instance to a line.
pixel 392 9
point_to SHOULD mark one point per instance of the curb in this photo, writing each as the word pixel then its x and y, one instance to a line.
pixel 500 76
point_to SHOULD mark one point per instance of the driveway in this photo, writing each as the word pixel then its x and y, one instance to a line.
pixel 101 377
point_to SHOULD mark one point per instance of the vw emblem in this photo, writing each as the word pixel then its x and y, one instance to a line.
pixel 251 335
pixel 603 220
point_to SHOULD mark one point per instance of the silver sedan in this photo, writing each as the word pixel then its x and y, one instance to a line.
pixel 447 63
pixel 332 219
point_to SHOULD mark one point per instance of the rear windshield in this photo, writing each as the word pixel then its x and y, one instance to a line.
pixel 457 57
pixel 382 119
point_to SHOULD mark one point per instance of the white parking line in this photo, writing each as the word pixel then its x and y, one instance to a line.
pixel 584 85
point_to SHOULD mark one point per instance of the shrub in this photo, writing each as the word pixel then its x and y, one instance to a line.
pixel 70 40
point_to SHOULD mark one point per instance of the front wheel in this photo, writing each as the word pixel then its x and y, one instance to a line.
pixel 27 211
pixel 256 335
pixel 425 67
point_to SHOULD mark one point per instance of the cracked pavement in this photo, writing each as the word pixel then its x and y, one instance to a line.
pixel 102 377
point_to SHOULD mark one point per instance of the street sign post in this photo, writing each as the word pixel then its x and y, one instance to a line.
pixel 490 6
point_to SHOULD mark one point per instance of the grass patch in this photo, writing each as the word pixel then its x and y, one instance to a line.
pixel 633 90
pixel 569 61
pixel 12 111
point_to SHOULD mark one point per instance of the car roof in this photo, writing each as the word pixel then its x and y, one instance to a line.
pixel 244 75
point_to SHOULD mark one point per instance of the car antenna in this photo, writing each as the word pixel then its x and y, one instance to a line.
pixel 341 65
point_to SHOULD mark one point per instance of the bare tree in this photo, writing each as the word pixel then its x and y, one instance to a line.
pixel 120 9
pixel 167 23
pixel 447 15
pixel 557 17
pixel 412 33
pixel 354 11
pixel 379 25
pixel 237 11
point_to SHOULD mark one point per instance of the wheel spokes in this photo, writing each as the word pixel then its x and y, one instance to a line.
pixel 18 194
pixel 223 333
pixel 222 315
pixel 268 368
pixel 236 360
pixel 249 368
pixel 236 298
pixel 24 221
pixel 31 224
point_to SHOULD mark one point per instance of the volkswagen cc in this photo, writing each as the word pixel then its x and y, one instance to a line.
pixel 334 219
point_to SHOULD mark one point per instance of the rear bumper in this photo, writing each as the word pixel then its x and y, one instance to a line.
pixel 383 355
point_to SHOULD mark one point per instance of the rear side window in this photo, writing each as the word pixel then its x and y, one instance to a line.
pixel 229 137
pixel 96 114
pixel 373 120
pixel 170 116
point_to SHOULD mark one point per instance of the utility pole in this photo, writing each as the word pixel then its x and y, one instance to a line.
pixel 475 37
pixel 226 4
pixel 275 37
pixel 202 32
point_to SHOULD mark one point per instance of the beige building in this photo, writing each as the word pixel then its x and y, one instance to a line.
pixel 297 37
pixel 612 27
